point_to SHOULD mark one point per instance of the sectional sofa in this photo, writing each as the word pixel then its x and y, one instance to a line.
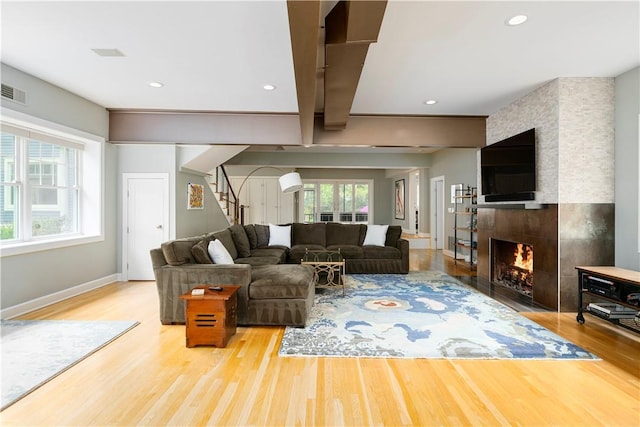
pixel 265 261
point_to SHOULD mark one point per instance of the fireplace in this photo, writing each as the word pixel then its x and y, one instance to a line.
pixel 512 265
pixel 535 229
pixel 563 236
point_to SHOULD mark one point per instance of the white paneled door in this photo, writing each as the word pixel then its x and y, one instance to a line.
pixel 145 222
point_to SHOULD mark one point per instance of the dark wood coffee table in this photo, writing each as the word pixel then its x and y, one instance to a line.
pixel 211 318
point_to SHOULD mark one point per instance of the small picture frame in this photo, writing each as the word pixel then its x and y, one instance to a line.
pixel 195 196
pixel 399 199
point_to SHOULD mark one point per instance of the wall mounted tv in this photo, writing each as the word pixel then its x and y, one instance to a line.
pixel 508 168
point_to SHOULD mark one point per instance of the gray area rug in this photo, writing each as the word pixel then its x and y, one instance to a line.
pixel 35 351
pixel 424 314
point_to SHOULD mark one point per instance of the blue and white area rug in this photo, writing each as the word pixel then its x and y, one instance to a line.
pixel 35 351
pixel 420 315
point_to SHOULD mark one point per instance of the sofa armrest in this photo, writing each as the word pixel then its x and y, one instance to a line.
pixel 403 246
pixel 157 258
pixel 173 281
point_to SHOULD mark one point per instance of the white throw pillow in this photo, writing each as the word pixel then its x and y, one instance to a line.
pixel 280 235
pixel 376 235
pixel 218 253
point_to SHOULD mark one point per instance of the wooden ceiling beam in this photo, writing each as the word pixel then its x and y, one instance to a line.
pixel 304 28
pixel 350 27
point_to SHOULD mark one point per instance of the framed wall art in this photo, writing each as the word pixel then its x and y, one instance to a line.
pixel 399 199
pixel 195 196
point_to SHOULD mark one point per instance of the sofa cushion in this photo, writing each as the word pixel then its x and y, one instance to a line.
pixel 376 235
pixel 280 235
pixel 258 260
pixel 240 240
pixel 348 251
pixel 251 235
pixel 287 281
pixel 309 234
pixel 381 252
pixel 280 253
pixel 225 237
pixel 297 251
pixel 262 233
pixel 343 234
pixel 178 252
pixel 200 252
pixel 219 253
pixel 394 233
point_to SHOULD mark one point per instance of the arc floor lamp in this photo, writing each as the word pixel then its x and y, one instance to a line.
pixel 290 182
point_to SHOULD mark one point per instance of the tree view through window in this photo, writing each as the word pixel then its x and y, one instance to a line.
pixel 40 192
pixel 345 202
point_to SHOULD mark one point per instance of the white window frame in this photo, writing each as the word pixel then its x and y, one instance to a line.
pixel 336 182
pixel 91 176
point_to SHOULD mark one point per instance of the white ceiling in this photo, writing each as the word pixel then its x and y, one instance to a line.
pixel 217 55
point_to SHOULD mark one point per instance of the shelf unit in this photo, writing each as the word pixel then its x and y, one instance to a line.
pixel 465 227
pixel 618 288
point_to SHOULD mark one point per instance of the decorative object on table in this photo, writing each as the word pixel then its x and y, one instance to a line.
pixel 36 351
pixel 420 315
pixel 399 199
pixel 195 196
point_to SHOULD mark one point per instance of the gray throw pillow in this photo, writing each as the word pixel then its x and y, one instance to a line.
pixel 251 235
pixel 241 240
pixel 200 252
pixel 227 240
pixel 262 231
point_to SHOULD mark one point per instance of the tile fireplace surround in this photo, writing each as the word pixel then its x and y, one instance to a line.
pixel 562 235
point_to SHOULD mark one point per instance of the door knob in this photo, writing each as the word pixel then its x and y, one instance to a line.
pixel 159 227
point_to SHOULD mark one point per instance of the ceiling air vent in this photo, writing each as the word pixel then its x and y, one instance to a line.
pixel 13 94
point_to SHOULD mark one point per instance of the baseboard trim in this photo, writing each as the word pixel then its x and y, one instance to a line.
pixel 40 302
pixel 448 253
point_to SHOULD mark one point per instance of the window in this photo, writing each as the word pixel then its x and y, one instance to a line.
pixel 336 201
pixel 44 196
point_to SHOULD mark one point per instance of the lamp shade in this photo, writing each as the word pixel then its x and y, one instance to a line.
pixel 290 182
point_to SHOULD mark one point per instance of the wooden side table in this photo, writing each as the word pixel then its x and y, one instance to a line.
pixel 211 318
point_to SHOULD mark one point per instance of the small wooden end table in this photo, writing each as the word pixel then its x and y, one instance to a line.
pixel 211 318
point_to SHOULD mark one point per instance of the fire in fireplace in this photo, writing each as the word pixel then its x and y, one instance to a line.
pixel 512 265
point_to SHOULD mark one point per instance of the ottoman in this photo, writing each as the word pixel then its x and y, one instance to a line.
pixel 280 294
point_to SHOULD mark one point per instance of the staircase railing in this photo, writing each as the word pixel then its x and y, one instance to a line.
pixel 225 191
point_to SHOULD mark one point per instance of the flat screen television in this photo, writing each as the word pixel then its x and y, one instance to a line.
pixel 508 168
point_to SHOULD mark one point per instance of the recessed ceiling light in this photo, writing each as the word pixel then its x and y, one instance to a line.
pixel 431 102
pixel 269 87
pixel 516 20
pixel 156 84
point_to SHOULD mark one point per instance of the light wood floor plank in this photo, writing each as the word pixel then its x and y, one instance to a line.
pixel 148 377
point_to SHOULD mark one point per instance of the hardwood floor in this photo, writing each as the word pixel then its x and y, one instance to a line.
pixel 148 377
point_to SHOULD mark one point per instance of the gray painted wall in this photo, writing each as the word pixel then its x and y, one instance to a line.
pixel 192 222
pixel 29 276
pixel 458 166
pixel 55 104
pixel 627 174
pixel 164 158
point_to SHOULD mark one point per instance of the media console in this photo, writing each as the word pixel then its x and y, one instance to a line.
pixel 615 295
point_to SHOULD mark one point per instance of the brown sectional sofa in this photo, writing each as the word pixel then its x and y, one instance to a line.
pixel 275 288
